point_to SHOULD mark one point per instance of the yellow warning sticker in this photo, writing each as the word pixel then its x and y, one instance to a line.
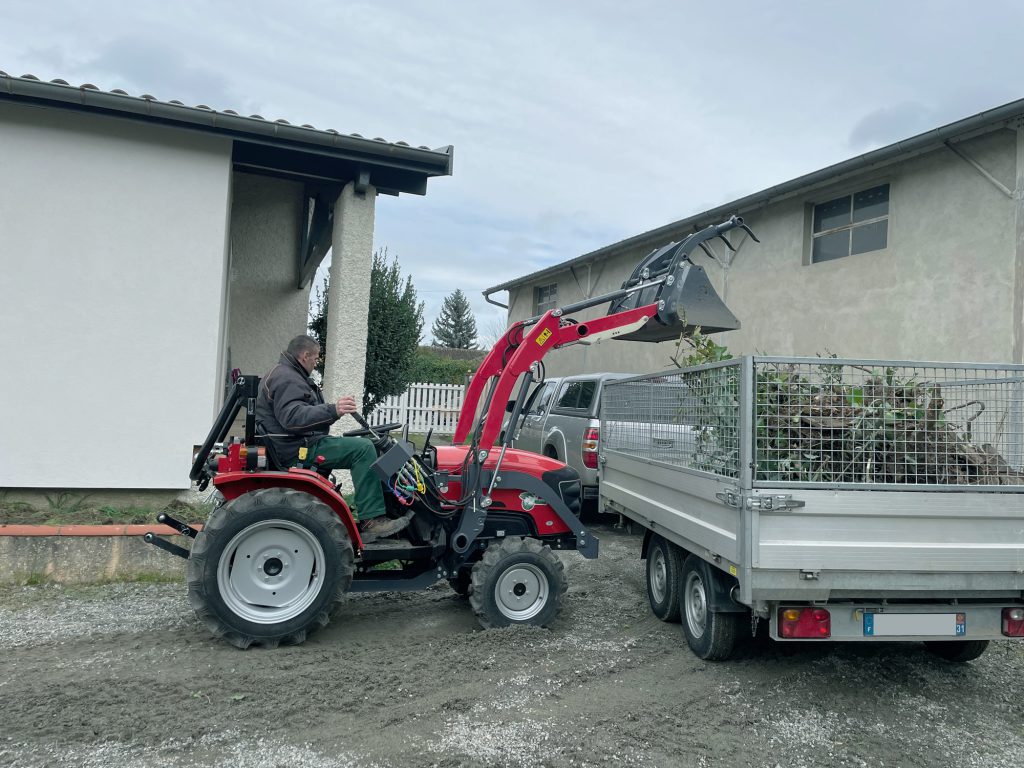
pixel 303 453
pixel 544 336
pixel 732 569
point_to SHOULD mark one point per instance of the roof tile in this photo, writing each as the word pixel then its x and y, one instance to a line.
pixel 205 108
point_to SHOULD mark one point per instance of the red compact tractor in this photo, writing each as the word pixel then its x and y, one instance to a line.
pixel 282 547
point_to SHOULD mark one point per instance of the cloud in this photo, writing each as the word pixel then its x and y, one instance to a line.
pixel 890 124
pixel 140 65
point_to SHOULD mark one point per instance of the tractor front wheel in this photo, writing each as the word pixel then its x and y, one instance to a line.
pixel 268 567
pixel 519 581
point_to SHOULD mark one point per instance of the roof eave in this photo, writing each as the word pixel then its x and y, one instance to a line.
pixel 429 162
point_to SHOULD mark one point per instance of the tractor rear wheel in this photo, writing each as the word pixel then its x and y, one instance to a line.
pixel 519 581
pixel 268 567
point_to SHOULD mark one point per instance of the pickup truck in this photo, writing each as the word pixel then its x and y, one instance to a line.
pixel 560 420
pixel 834 500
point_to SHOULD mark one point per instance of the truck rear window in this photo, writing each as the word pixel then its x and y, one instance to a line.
pixel 577 395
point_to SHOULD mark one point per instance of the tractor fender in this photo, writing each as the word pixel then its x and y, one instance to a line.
pixel 235 484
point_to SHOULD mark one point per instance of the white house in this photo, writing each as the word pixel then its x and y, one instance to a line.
pixel 149 247
pixel 914 250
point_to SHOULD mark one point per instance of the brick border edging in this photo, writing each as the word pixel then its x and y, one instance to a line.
pixel 89 530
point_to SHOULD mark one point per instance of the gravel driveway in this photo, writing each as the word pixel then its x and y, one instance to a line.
pixel 122 675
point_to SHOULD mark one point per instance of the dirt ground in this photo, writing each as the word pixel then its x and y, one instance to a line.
pixel 122 675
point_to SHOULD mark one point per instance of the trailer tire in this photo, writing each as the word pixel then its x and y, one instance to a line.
pixel 519 581
pixel 276 529
pixel 664 574
pixel 957 650
pixel 711 636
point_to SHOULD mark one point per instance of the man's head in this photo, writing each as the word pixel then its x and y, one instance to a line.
pixel 306 350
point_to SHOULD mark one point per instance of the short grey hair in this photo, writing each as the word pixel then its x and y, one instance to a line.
pixel 301 344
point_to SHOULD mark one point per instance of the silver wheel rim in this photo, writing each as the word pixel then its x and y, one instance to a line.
pixel 271 571
pixel 658 575
pixel 521 592
pixel 696 605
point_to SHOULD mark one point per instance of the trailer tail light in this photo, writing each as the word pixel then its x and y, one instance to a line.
pixel 1013 622
pixel 805 623
pixel 590 440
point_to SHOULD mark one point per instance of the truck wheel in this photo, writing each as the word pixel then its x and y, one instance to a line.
pixel 957 650
pixel 664 575
pixel 711 636
pixel 268 567
pixel 519 581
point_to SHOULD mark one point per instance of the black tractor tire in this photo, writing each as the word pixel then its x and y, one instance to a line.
pixel 957 650
pixel 298 565
pixel 711 636
pixel 664 575
pixel 519 581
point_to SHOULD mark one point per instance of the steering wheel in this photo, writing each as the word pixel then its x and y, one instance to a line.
pixel 382 429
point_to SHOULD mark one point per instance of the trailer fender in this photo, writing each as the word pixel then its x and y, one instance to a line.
pixel 720 599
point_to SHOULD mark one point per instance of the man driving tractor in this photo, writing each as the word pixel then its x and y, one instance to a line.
pixel 292 415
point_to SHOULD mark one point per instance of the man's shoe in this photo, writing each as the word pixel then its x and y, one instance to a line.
pixel 382 527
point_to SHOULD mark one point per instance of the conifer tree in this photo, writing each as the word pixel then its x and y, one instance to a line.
pixel 395 323
pixel 455 326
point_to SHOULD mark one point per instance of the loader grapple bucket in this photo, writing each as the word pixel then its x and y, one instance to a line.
pixel 686 300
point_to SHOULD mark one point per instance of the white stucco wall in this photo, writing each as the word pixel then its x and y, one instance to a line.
pixel 113 243
pixel 943 288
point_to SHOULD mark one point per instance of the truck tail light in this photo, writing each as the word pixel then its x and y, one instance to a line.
pixel 805 623
pixel 590 440
pixel 1013 622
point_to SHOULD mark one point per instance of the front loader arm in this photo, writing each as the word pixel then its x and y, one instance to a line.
pixel 549 333
pixel 666 295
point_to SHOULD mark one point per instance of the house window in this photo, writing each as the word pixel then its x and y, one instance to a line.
pixel 856 223
pixel 545 297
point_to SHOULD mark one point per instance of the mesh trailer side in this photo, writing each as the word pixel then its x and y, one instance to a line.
pixel 888 424
pixel 689 418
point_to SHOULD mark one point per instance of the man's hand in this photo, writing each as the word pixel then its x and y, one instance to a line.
pixel 345 404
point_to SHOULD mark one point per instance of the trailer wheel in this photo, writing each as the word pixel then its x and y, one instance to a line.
pixel 664 575
pixel 957 650
pixel 519 581
pixel 711 636
pixel 268 567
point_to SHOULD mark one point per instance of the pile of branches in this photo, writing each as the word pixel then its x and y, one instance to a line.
pixel 884 430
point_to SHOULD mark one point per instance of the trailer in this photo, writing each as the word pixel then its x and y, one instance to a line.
pixel 834 499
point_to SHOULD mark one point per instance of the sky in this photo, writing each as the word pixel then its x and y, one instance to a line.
pixel 575 124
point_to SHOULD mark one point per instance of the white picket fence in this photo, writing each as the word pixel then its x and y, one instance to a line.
pixel 423 407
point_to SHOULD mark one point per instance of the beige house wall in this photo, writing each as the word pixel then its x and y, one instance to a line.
pixel 266 309
pixel 942 289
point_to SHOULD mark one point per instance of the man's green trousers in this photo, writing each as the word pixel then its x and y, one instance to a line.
pixel 356 454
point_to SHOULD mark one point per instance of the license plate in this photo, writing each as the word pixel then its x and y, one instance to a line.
pixel 910 624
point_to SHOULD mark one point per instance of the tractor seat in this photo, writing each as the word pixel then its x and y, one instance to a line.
pixel 274 462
